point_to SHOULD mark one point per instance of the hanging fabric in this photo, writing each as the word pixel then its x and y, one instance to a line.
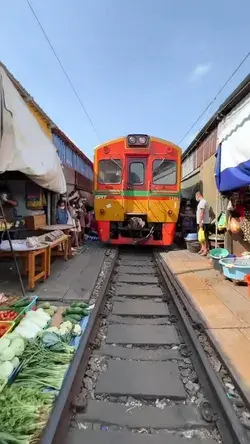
pixel 246 226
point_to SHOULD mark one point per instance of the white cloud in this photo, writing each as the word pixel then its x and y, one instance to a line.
pixel 201 70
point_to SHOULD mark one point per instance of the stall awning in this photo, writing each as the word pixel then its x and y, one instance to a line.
pixel 232 169
pixel 23 144
pixel 190 186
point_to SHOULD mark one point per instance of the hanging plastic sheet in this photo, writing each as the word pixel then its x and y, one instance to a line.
pixel 232 168
pixel 23 144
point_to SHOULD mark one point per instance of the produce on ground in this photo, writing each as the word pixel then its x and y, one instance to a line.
pixel 25 413
pixel 42 355
pixel 33 323
pixel 12 347
pixel 76 312
pixel 45 362
pixel 8 315
pixel 3 298
pixel 4 327
pixel 48 308
pixel 8 301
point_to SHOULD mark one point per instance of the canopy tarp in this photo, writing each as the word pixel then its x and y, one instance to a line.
pixel 23 144
pixel 232 168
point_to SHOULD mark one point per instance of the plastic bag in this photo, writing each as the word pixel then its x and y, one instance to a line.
pixel 222 222
pixel 201 235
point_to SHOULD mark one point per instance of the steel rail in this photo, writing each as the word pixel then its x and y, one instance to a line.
pixel 228 424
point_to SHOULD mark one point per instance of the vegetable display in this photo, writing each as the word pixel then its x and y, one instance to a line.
pixel 8 315
pixel 33 323
pixel 11 348
pixel 34 359
pixel 26 412
pixel 48 308
pixel 76 312
pixel 4 327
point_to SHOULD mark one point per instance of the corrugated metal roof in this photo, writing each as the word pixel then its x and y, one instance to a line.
pixel 237 95
pixel 27 97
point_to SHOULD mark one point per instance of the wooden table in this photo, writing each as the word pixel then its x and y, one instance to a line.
pixel 66 229
pixel 63 241
pixel 29 257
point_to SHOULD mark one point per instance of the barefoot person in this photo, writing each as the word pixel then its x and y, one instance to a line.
pixel 203 220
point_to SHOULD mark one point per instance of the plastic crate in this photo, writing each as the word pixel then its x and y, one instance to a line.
pixel 22 310
pixel 10 324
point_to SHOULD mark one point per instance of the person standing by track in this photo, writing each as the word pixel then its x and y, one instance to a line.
pixel 203 220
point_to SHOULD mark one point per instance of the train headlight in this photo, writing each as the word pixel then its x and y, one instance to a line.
pixel 137 140
pixel 102 211
pixel 142 140
pixel 131 140
pixel 170 212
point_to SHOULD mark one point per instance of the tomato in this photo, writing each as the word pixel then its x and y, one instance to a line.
pixel 8 315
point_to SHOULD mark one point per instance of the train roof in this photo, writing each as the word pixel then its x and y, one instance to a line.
pixel 157 139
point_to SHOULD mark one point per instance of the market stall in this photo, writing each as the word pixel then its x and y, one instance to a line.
pixel 37 346
pixel 232 174
pixel 30 170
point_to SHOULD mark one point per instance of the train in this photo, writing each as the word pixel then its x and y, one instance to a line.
pixel 137 182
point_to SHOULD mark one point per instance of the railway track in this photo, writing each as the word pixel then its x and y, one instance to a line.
pixel 140 373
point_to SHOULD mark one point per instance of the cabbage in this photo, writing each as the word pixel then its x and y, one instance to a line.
pixel 7 354
pixel 6 368
pixel 42 313
pixel 18 346
pixel 36 318
pixel 12 335
pixel 4 343
pixel 27 329
pixel 15 362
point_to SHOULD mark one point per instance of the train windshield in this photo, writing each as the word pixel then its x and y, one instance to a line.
pixel 136 173
pixel 110 171
pixel 164 172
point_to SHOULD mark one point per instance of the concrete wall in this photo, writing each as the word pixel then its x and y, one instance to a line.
pixel 208 180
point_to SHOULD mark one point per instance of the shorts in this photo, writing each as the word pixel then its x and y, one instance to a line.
pixel 206 230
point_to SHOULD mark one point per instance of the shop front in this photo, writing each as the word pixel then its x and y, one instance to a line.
pixel 232 173
pixel 30 172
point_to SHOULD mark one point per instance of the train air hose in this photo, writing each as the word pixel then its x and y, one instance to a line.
pixel 136 242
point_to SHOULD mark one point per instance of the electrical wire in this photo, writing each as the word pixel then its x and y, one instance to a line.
pixel 215 98
pixel 220 111
pixel 63 69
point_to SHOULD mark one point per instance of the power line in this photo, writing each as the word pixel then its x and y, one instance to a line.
pixel 214 99
pixel 63 69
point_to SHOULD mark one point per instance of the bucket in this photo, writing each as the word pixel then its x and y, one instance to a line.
pixel 216 255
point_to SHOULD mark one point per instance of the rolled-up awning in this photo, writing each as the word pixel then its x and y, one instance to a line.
pixel 190 186
pixel 23 144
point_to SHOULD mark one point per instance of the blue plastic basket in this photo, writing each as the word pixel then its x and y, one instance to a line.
pixel 235 268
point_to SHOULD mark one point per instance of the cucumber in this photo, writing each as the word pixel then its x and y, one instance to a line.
pixel 76 317
pixel 74 310
pixel 79 304
pixel 82 305
pixel 44 305
pixel 49 311
pixel 23 302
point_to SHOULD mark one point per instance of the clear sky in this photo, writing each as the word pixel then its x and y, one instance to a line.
pixel 143 66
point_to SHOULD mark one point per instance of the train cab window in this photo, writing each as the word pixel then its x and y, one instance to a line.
pixel 136 173
pixel 164 172
pixel 110 171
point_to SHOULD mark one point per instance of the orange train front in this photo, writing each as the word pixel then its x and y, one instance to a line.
pixel 137 190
